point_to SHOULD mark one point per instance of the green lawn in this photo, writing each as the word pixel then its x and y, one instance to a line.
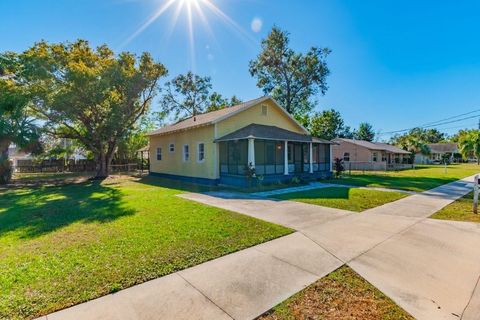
pixel 460 210
pixel 342 294
pixel 420 179
pixel 62 245
pixel 353 199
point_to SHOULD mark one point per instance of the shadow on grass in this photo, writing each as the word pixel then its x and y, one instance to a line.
pixel 403 183
pixel 321 193
pixel 176 184
pixel 32 212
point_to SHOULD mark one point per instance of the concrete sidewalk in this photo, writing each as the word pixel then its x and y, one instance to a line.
pixel 241 285
pixel 428 267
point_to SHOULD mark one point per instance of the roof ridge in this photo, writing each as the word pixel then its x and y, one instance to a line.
pixel 203 118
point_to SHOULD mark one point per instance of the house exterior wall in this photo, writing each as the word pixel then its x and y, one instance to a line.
pixel 172 163
pixel 357 153
pixel 208 171
pixel 274 117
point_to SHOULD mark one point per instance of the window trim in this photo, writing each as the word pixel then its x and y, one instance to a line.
pixel 198 152
pixel 170 145
pixel 346 155
pixel 186 155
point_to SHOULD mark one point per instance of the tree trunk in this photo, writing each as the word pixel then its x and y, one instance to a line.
pixel 102 166
pixel 104 159
pixel 5 167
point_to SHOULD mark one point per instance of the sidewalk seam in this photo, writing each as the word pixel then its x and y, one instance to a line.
pixel 203 294
pixel 471 296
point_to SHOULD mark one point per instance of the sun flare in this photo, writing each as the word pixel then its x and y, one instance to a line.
pixel 193 10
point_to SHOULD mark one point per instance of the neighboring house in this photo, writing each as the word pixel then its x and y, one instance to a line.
pixel 15 154
pixel 217 147
pixel 437 152
pixel 365 155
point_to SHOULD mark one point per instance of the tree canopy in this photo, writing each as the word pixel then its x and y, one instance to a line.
pixel 290 77
pixel 469 144
pixel 91 95
pixel 16 124
pixel 424 135
pixel 186 95
pixel 328 124
pixel 218 102
pixel 364 132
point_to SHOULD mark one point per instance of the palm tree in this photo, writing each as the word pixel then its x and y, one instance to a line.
pixel 413 145
pixel 469 144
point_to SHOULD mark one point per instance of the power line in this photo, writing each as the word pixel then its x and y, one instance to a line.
pixel 453 117
pixel 437 123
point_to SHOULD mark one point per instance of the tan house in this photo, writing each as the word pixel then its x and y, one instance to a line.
pixel 437 153
pixel 365 155
pixel 219 147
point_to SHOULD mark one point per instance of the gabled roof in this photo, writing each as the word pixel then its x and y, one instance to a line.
pixel 260 131
pixel 217 116
pixel 443 147
pixel 380 146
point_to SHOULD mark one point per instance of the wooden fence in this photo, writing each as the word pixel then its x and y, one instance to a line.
pixel 29 166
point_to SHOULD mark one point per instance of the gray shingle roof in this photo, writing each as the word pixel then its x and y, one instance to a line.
pixel 260 131
pixel 380 146
pixel 443 147
pixel 207 118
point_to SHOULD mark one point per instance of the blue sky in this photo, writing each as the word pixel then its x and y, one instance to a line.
pixel 395 64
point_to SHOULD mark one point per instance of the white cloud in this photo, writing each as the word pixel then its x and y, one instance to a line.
pixel 256 24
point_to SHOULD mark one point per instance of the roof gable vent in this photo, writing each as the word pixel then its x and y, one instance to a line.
pixel 264 110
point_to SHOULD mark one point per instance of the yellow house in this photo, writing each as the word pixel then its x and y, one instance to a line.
pixel 219 147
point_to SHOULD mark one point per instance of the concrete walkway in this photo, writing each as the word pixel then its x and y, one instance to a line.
pixel 320 185
pixel 429 267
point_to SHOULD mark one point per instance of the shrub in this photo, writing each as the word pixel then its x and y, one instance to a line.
pixel 338 167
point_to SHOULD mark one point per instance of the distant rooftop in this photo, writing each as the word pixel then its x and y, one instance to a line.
pixel 443 147
pixel 380 146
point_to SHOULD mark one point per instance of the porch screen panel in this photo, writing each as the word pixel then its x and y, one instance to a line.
pixel 324 157
pixel 223 148
pixel 279 157
pixel 269 157
pixel 316 156
pixel 260 157
pixel 233 157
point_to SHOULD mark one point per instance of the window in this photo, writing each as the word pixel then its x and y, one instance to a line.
pixel 375 156
pixel 159 154
pixel 264 110
pixel 186 153
pixel 200 152
pixel 346 156
pixel 171 148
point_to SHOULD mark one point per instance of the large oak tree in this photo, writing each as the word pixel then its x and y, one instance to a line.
pixel 17 126
pixel 90 94
pixel 290 77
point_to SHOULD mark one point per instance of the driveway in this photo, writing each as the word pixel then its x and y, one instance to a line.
pixel 429 267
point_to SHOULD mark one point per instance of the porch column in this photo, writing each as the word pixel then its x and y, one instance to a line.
pixel 285 158
pixel 251 152
pixel 311 157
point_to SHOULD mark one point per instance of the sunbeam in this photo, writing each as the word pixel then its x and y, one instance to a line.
pixel 193 9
